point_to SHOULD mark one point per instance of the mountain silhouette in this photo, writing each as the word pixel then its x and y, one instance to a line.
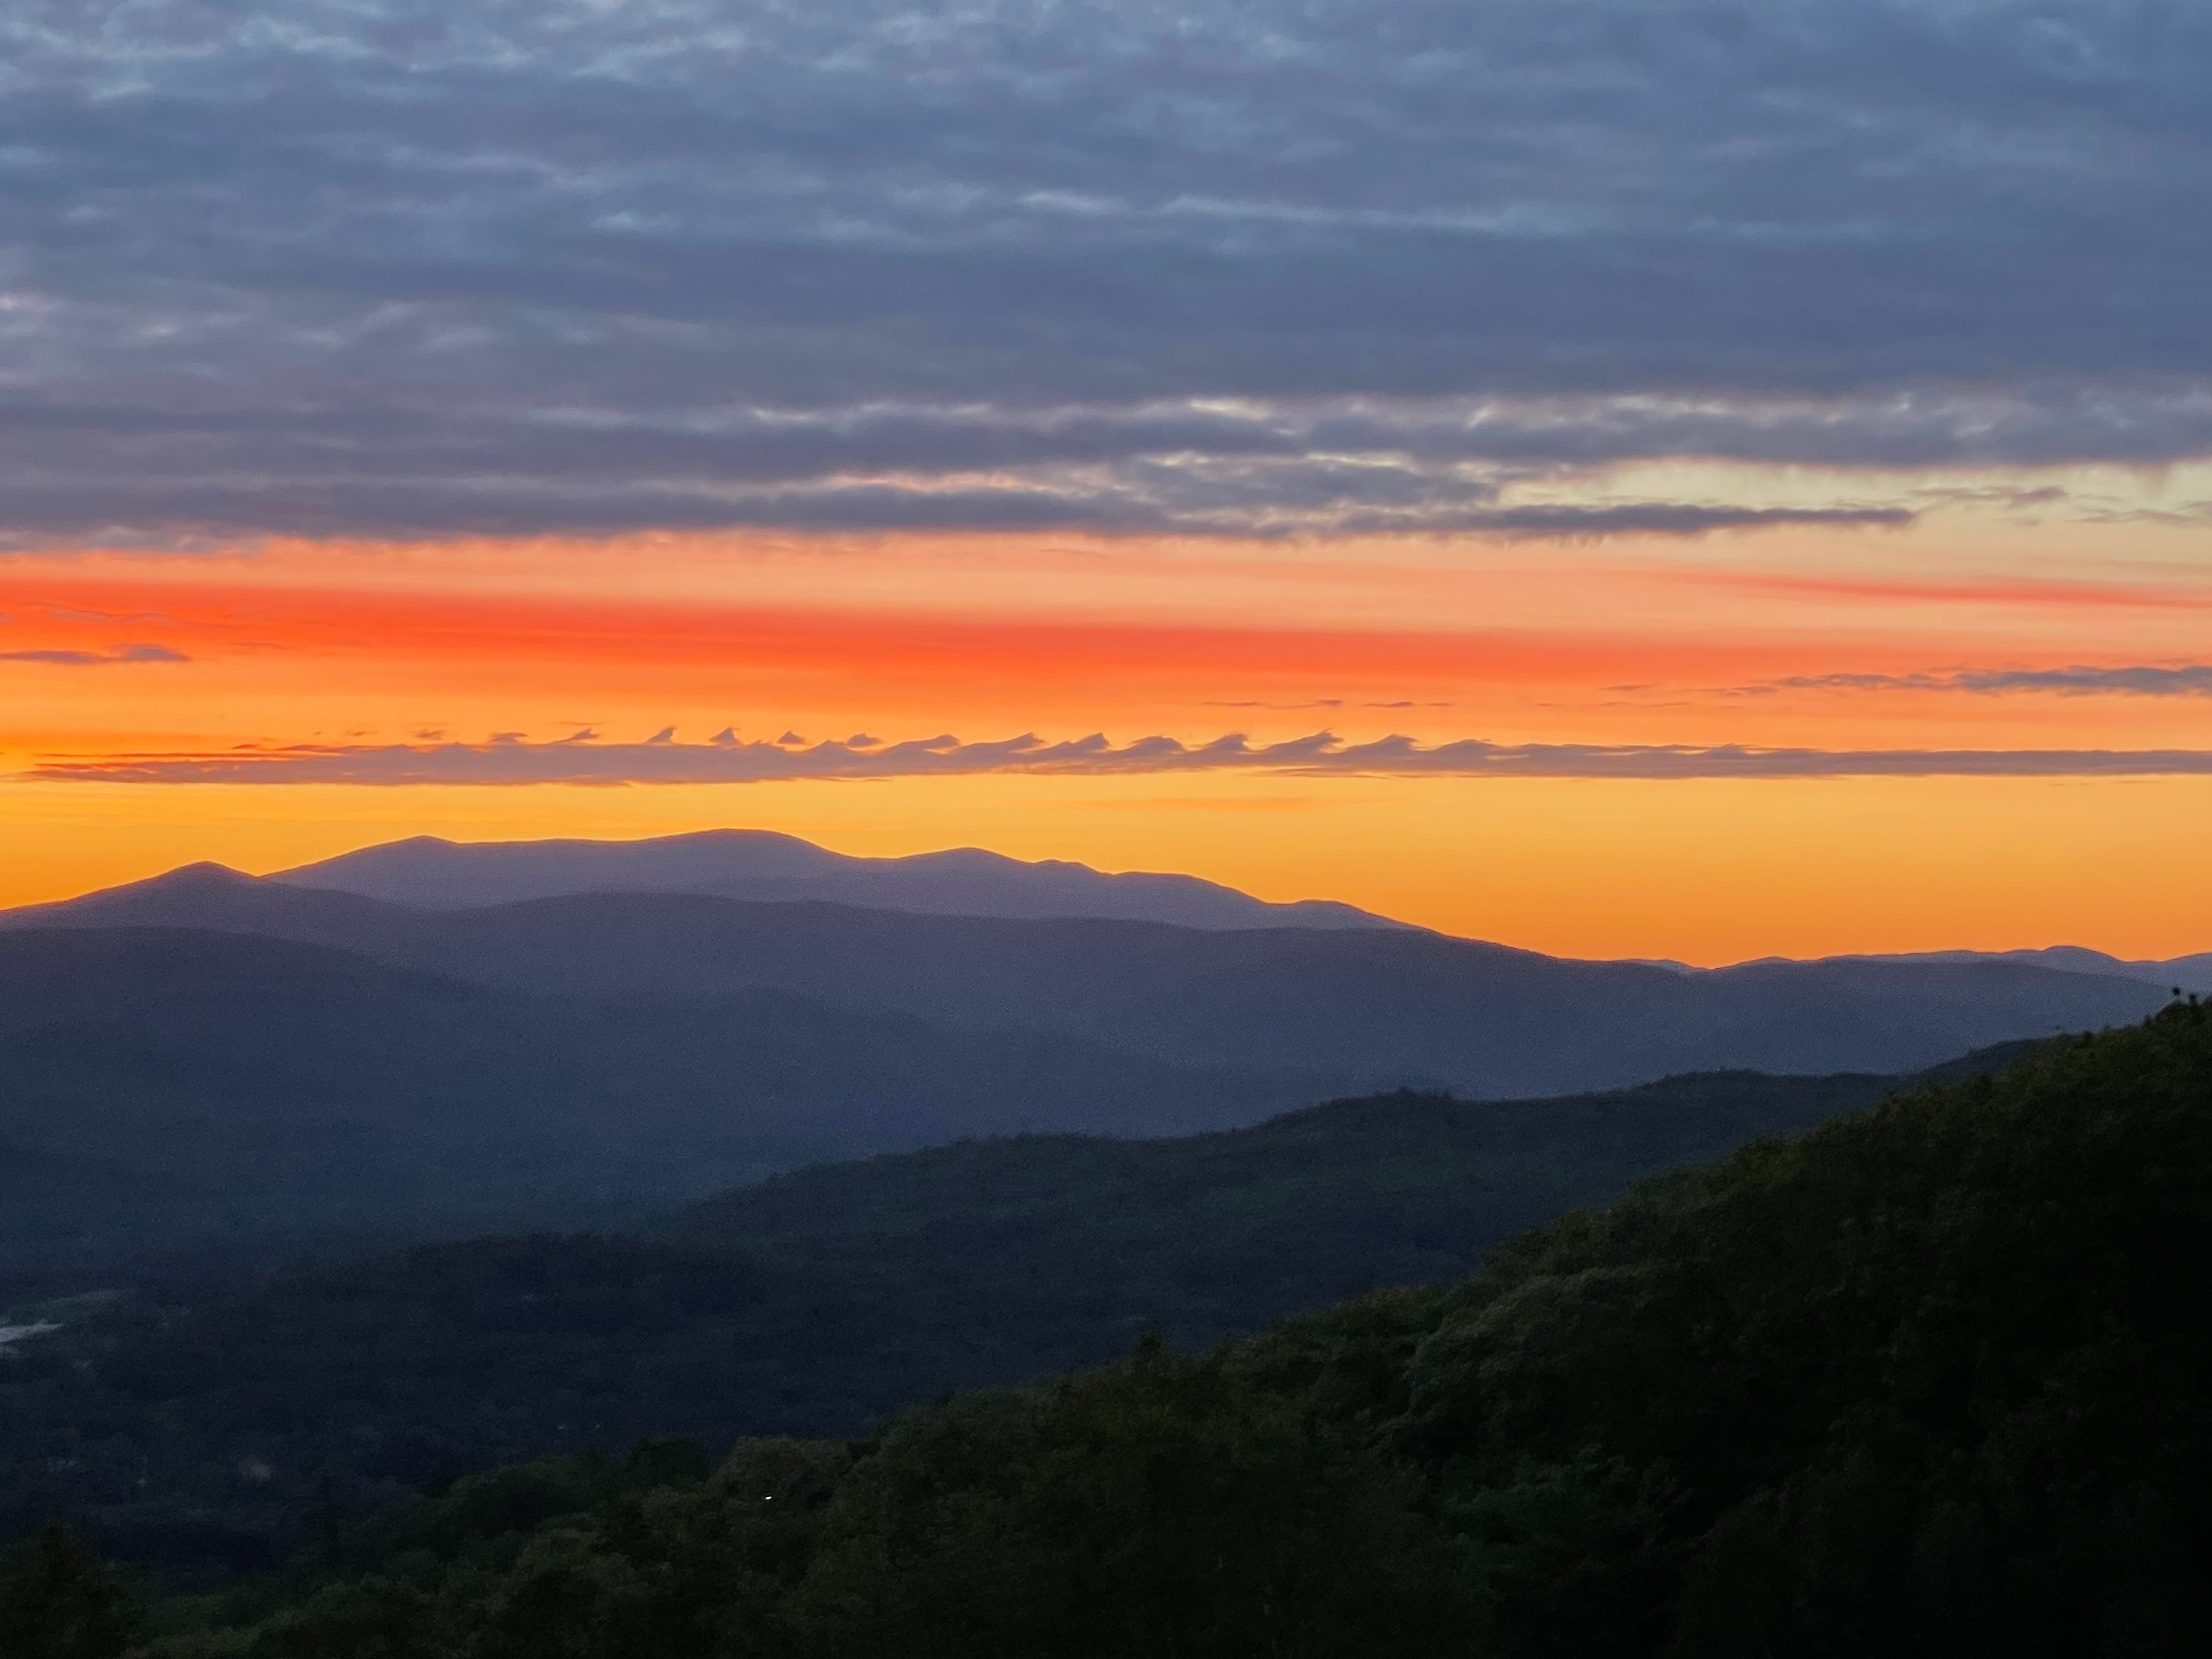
pixel 1362 1007
pixel 213 1055
pixel 761 865
pixel 2189 973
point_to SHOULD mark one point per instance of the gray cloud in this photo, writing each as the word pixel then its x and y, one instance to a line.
pixel 122 653
pixel 1286 501
pixel 2188 680
pixel 578 760
pixel 406 266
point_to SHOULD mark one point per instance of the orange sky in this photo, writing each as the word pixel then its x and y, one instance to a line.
pixel 1619 643
pixel 1724 492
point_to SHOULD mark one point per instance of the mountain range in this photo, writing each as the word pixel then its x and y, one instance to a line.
pixel 425 1039
pixel 427 872
pixel 760 864
pixel 2189 973
pixel 1350 1008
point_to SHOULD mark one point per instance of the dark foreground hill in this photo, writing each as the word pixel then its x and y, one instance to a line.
pixel 1219 1235
pixel 1364 1008
pixel 195 1430
pixel 1930 1380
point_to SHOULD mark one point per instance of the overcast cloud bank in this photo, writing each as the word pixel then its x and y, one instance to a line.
pixel 395 267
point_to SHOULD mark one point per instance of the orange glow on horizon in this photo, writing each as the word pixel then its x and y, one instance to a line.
pixel 905 637
pixel 1705 871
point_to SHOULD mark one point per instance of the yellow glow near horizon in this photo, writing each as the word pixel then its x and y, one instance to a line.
pixel 1800 637
pixel 1707 871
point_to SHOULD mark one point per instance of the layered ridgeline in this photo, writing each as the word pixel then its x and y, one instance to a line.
pixel 165 1090
pixel 195 1430
pixel 757 866
pixel 1931 1379
pixel 554 1034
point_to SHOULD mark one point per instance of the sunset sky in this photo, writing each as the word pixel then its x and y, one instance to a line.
pixel 1689 480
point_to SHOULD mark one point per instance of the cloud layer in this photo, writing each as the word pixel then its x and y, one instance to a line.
pixel 392 266
pixel 2185 680
pixel 121 653
pixel 582 760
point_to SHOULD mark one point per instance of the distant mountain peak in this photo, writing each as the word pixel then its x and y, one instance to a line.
pixel 170 886
pixel 2192 973
pixel 206 872
pixel 215 897
pixel 428 873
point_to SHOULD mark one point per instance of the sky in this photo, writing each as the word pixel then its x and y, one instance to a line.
pixel 1623 478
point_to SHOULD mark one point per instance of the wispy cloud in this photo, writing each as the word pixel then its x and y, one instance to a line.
pixel 1302 496
pixel 2035 592
pixel 2186 680
pixel 578 760
pixel 122 653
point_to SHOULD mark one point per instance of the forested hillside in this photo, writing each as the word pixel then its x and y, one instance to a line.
pixel 1929 1379
pixel 198 1430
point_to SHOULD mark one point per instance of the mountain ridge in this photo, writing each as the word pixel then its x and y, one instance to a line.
pixel 2185 973
pixel 1367 1008
pixel 431 872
